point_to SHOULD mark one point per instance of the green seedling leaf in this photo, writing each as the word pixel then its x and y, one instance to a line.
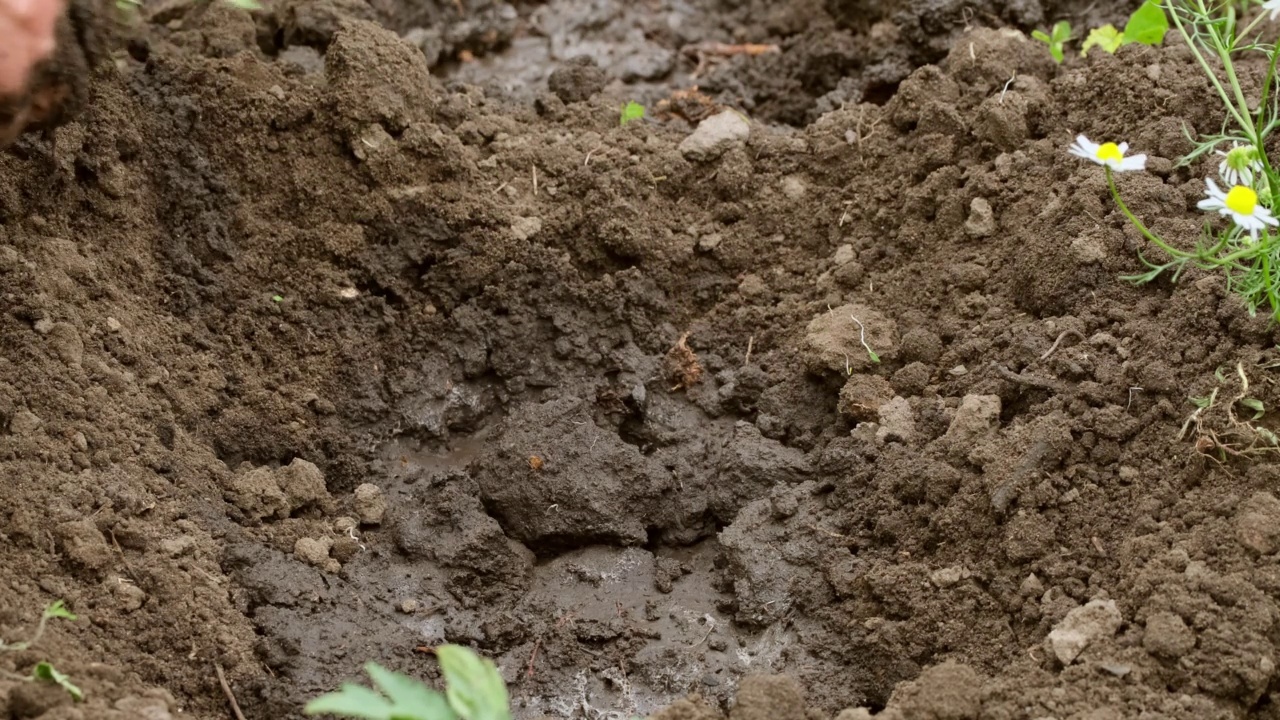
pixel 406 699
pixel 1200 402
pixel 473 685
pixel 48 673
pixel 57 609
pixel 872 354
pixel 1255 405
pixel 277 298
pixel 1267 435
pixel 1106 37
pixel 406 692
pixel 1056 38
pixel 351 701
pixel 1147 25
pixel 632 111
pixel 245 4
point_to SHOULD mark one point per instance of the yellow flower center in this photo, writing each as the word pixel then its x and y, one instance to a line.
pixel 1109 152
pixel 1241 200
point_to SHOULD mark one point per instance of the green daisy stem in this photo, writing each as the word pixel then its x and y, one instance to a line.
pixel 1193 46
pixel 1271 288
pixel 1115 194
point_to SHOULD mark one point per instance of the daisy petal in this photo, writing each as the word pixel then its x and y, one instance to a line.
pixel 1137 162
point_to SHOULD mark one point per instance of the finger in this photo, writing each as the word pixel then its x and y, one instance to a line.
pixel 28 31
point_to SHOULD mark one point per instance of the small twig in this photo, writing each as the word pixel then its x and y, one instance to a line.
pixel 1058 341
pixel 226 690
pixel 535 180
pixel 1051 385
pixel 533 657
pixel 751 341
pixel 127 567
pixel 828 533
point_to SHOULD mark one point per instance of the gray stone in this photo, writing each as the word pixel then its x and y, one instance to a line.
pixel 715 135
pixel 982 220
pixel 1087 624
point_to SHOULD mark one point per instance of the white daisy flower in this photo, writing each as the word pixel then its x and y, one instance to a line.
pixel 1241 164
pixel 1241 204
pixel 1109 154
pixel 1273 6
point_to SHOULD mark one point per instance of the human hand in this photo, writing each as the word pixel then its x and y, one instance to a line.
pixel 26 38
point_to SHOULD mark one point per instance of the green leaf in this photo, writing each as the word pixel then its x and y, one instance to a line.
pixel 48 673
pixel 351 701
pixel 1255 405
pixel 1106 37
pixel 1147 25
pixel 406 699
pixel 1062 31
pixel 245 4
pixel 473 685
pixel 408 693
pixel 1058 36
pixel 57 609
pixel 632 111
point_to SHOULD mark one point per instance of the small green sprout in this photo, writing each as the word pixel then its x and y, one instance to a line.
pixel 1256 406
pixel 473 691
pixel 1055 39
pixel 862 338
pixel 277 298
pixel 632 111
pixel 55 609
pixel 46 672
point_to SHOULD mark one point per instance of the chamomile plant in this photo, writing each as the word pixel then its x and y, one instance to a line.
pixel 1242 240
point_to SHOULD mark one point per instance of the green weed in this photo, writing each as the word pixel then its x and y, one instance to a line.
pixel 45 671
pixel 1056 38
pixel 474 690
pixel 632 111
pixel 1146 26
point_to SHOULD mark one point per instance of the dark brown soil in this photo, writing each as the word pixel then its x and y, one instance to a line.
pixel 323 346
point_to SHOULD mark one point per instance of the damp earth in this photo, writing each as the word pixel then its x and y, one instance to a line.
pixel 337 329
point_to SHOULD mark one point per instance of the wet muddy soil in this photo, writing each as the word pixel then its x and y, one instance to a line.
pixel 337 329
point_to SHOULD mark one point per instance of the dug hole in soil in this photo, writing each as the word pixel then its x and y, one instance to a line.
pixel 336 330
